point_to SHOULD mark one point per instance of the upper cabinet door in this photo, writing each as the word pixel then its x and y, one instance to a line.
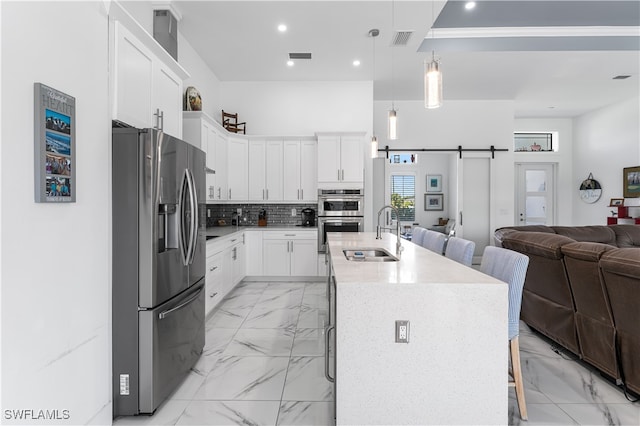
pixel 237 173
pixel 221 191
pixel 167 92
pixel 308 171
pixel 291 171
pixel 132 80
pixel 257 154
pixel 273 171
pixel 351 153
pixel 328 159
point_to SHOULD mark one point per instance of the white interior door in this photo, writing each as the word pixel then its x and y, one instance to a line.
pixel 535 188
pixel 474 203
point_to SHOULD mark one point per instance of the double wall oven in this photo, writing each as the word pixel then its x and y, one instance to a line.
pixel 339 210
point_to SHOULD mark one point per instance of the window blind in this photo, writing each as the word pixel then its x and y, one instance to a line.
pixel 403 196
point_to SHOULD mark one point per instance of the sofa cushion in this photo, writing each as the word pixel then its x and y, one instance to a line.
pixel 586 250
pixel 627 235
pixel 537 243
pixel 595 233
pixel 499 233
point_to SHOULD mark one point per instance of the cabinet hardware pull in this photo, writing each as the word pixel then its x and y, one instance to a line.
pixel 229 193
pixel 326 353
pixel 302 192
pixel 219 192
pixel 213 294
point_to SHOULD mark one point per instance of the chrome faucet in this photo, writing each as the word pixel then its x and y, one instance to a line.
pixel 379 228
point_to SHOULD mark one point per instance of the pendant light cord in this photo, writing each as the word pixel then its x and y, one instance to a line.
pixel 393 26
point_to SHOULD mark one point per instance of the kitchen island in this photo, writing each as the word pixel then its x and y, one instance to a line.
pixel 454 368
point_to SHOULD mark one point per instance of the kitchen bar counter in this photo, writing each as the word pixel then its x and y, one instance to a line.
pixel 223 231
pixel 454 368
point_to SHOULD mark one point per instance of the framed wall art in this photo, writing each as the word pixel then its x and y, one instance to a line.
pixel 631 182
pixel 55 145
pixel 433 201
pixel 434 183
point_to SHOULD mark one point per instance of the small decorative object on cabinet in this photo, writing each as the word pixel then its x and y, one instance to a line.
pixel 631 182
pixel 192 99
pixel 590 190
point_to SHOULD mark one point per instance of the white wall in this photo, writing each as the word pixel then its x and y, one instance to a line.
pixel 472 124
pixel 56 258
pixel 300 107
pixel 606 141
pixel 563 158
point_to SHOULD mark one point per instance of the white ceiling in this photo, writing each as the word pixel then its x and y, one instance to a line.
pixel 240 42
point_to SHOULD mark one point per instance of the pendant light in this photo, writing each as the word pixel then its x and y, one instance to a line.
pixel 432 76
pixel 393 116
pixel 374 140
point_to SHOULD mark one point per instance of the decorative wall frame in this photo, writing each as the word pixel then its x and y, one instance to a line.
pixel 434 183
pixel 631 182
pixel 55 145
pixel 433 202
pixel 616 202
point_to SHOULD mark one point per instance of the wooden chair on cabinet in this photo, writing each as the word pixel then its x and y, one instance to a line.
pixel 511 267
pixel 230 122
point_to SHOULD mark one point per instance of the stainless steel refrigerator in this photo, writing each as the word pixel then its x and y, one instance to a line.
pixel 159 255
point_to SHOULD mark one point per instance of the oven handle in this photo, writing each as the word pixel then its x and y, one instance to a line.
pixel 342 220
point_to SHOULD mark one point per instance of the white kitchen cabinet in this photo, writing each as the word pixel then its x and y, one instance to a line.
pixel 340 159
pixel 201 130
pixel 300 171
pixel 290 253
pixel 237 173
pixel 214 281
pixel 253 252
pixel 265 170
pixel 237 260
pixel 147 90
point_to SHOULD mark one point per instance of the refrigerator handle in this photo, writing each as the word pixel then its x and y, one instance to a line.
pixel 195 217
pixel 181 231
pixel 192 221
pixel 164 314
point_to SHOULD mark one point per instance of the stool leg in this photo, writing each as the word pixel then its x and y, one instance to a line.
pixel 514 345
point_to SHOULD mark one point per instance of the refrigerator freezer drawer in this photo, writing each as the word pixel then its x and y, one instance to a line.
pixel 171 341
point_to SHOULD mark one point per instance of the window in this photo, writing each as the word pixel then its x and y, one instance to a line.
pixel 403 196
pixel 532 142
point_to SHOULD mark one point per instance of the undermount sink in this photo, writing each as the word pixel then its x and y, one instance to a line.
pixel 369 255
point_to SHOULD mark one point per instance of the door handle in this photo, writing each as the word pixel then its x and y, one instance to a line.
pixel 164 314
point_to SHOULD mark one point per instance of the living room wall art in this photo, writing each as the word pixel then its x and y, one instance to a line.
pixel 55 145
pixel 631 182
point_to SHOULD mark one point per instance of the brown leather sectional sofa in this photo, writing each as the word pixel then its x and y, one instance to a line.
pixel 582 290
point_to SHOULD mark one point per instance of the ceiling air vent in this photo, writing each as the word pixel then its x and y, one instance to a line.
pixel 299 55
pixel 621 77
pixel 401 38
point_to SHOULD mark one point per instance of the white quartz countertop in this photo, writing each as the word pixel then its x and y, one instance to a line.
pixel 223 231
pixel 416 265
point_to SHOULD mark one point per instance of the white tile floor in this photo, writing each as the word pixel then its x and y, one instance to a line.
pixel 263 364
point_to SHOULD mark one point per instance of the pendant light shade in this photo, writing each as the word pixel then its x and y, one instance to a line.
pixel 393 124
pixel 374 147
pixel 432 84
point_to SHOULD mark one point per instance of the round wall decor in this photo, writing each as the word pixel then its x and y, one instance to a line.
pixel 590 190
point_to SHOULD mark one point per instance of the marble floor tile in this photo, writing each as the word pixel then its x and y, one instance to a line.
pixel 189 386
pixel 281 299
pixel 230 413
pixel 240 300
pixel 308 342
pixel 272 318
pixel 245 378
pixel 539 415
pixel 228 318
pixel 303 413
pixel 281 287
pixel 313 318
pixel 317 288
pixel 315 301
pixel 247 287
pixel 568 382
pixel 216 341
pixel 167 413
pixel 306 380
pixel 603 414
pixel 261 342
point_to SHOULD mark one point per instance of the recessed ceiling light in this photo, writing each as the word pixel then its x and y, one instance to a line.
pixel 470 5
pixel 282 28
pixel 356 63
pixel 290 63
